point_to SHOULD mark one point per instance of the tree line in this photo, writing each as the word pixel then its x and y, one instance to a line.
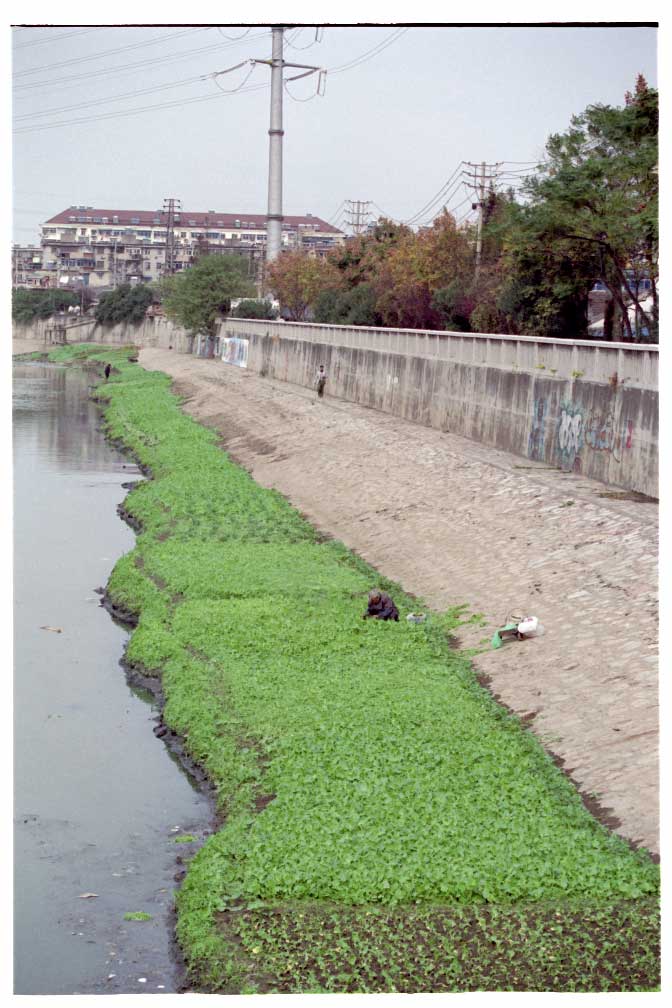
pixel 588 214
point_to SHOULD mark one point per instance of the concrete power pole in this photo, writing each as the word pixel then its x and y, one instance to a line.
pixel 171 206
pixel 481 205
pixel 274 216
pixel 275 134
pixel 478 185
pixel 358 215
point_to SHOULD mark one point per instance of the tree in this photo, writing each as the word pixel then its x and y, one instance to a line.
pixel 196 297
pixel 124 304
pixel 544 281
pixel 254 309
pixel 416 268
pixel 28 305
pixel 596 202
pixel 297 279
pixel 355 306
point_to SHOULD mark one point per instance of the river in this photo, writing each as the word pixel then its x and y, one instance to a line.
pixel 99 800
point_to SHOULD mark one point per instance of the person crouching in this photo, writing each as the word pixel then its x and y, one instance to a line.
pixel 381 606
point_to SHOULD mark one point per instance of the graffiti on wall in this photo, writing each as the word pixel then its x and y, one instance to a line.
pixel 570 435
pixel 600 432
pixel 603 434
pixel 535 442
pixel 234 351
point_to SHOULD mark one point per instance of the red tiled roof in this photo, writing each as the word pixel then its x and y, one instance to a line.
pixel 148 218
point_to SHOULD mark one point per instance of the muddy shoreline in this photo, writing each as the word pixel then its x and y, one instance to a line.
pixel 137 680
pixel 136 676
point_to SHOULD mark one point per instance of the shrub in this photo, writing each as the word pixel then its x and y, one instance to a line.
pixel 255 309
pixel 124 304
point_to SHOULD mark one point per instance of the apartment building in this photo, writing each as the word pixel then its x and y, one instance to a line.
pixel 27 267
pixel 103 248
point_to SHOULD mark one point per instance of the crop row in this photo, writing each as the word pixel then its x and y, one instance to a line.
pixel 358 764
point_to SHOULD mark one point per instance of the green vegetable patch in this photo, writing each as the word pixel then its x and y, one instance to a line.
pixel 385 825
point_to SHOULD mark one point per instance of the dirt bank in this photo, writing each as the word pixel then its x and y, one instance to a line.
pixel 456 522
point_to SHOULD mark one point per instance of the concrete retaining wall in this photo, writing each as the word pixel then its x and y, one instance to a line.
pixel 584 407
pixel 154 332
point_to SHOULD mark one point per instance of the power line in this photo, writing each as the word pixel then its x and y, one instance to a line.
pixel 446 207
pixel 310 44
pixel 56 38
pixel 336 212
pixel 109 52
pixel 234 38
pixel 217 46
pixel 434 198
pixel 371 52
pixel 386 215
pixel 175 104
pixel 105 101
pixel 130 112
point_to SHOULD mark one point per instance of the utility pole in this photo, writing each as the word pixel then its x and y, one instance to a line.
pixel 277 64
pixel 171 207
pixel 358 216
pixel 478 185
pixel 275 135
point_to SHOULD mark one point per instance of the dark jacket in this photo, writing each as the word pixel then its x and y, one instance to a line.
pixel 384 608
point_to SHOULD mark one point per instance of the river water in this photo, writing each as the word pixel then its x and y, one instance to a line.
pixel 99 800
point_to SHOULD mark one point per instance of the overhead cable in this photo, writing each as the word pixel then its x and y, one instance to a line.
pixel 234 38
pixel 105 101
pixel 130 112
pixel 436 196
pixel 57 38
pixel 310 44
pixel 370 53
pixel 213 47
pixel 174 104
pixel 109 52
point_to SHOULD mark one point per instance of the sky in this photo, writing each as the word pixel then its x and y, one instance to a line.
pixel 391 128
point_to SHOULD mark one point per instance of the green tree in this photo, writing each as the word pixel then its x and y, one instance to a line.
pixel 594 207
pixel 124 304
pixel 355 306
pixel 253 308
pixel 29 305
pixel 198 296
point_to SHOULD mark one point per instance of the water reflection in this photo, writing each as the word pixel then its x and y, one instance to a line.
pixel 97 796
pixel 54 420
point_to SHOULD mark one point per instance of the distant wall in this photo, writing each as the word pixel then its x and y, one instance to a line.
pixel 585 407
pixel 155 332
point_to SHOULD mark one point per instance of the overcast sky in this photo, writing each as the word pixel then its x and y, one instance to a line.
pixel 390 129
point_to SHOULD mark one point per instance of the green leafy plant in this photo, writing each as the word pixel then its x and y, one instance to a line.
pixel 363 776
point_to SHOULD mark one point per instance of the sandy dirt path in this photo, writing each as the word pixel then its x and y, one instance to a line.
pixel 455 522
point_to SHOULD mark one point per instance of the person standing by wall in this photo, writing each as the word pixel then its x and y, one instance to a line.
pixel 321 381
